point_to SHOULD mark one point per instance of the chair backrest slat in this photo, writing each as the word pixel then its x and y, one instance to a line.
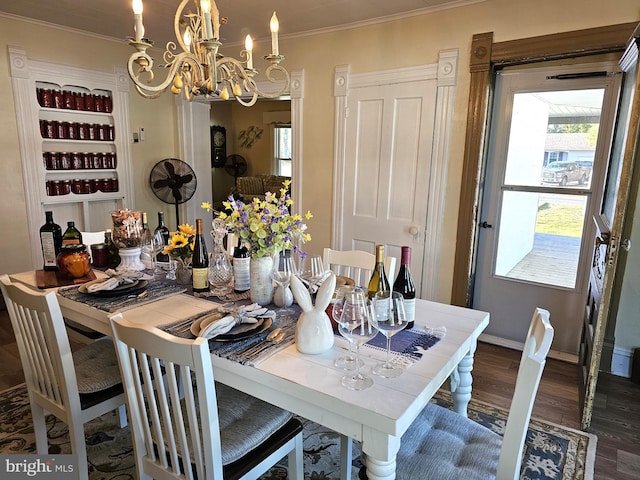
pixel 534 354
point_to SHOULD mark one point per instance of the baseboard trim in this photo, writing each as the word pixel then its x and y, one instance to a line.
pixel 621 362
pixel 503 342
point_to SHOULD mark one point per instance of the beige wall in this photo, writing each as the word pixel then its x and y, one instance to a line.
pixel 401 43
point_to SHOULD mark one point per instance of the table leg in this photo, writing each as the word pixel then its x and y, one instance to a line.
pixel 379 455
pixel 460 382
pixel 346 457
pixel 380 470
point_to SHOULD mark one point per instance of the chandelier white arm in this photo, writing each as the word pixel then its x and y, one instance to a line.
pixel 195 66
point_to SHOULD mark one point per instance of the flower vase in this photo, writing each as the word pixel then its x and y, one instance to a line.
pixel 183 273
pixel 260 279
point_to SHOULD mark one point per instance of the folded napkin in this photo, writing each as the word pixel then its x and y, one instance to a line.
pixel 115 280
pixel 244 314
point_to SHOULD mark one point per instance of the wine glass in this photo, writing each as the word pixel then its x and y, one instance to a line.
pixel 391 318
pixel 346 362
pixel 147 249
pixel 311 267
pixel 283 268
pixel 358 324
pixel 158 245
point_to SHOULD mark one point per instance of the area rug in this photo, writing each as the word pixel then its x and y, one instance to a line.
pixel 551 451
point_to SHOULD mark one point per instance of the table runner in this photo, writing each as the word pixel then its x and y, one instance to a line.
pixel 156 290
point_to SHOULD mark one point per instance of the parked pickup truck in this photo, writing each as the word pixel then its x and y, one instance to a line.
pixel 564 173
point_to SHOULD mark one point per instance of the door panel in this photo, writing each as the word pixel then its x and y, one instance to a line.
pixel 539 198
pixel 388 144
pixel 597 338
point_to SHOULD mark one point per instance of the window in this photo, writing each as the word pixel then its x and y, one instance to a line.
pixel 282 149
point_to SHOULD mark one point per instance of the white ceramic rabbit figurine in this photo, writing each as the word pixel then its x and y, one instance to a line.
pixel 314 334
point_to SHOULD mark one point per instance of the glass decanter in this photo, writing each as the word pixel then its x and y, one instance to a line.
pixel 220 270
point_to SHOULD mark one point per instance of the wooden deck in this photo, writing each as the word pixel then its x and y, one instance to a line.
pixel 553 260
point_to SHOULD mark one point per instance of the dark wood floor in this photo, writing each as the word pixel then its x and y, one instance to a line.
pixel 616 419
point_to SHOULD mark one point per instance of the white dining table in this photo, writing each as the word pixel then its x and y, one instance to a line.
pixel 309 385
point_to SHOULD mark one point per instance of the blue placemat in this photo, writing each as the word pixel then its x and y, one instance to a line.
pixel 406 342
pixel 156 290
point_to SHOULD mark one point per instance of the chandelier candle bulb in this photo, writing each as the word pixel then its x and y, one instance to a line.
pixel 248 45
pixel 216 22
pixel 137 15
pixel 274 25
pixel 206 10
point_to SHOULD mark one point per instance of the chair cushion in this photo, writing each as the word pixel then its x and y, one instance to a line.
pixel 443 445
pixel 245 422
pixel 96 366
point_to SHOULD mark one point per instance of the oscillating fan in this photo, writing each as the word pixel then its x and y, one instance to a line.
pixel 173 181
pixel 235 165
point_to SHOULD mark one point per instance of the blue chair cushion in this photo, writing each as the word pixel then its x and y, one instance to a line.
pixel 245 422
pixel 444 445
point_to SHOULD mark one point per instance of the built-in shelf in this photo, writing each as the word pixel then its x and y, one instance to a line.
pixel 89 175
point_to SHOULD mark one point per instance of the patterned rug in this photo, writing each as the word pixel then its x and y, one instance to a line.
pixel 551 451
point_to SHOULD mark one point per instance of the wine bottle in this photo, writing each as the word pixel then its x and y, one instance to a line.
pixel 165 235
pixel 378 281
pixel 72 235
pixel 51 241
pixel 241 272
pixel 200 261
pixel 113 257
pixel 405 286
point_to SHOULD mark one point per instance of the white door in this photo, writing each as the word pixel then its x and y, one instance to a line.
pixel 389 132
pixel 547 160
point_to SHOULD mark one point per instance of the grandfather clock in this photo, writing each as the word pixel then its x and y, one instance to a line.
pixel 218 146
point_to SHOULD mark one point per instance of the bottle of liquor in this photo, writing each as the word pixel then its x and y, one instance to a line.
pixel 241 275
pixel 51 241
pixel 404 284
pixel 378 281
pixel 113 257
pixel 165 235
pixel 72 235
pixel 200 261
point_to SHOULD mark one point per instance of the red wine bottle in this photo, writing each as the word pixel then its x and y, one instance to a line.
pixel 405 286
pixel 51 241
pixel 164 231
pixel 200 261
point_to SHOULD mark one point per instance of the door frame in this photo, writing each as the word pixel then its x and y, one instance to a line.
pixel 445 72
pixel 488 56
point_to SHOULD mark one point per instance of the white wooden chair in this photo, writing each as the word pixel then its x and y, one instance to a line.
pixel 185 425
pixel 77 387
pixel 443 445
pixel 356 264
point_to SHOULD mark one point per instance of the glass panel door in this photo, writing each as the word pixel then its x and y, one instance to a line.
pixel 547 185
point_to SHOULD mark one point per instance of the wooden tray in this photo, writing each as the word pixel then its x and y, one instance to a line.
pixel 49 279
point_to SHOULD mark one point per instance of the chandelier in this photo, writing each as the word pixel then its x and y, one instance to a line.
pixel 195 65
